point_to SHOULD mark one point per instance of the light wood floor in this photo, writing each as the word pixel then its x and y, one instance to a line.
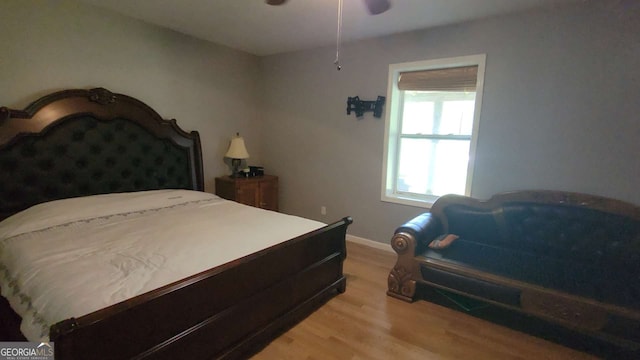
pixel 364 323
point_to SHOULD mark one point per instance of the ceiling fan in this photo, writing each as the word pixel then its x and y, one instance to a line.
pixel 375 7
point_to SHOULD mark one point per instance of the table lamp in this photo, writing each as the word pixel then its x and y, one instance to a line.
pixel 237 152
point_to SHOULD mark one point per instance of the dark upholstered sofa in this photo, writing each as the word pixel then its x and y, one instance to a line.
pixel 566 258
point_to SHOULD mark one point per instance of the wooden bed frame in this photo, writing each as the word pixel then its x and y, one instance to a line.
pixel 84 142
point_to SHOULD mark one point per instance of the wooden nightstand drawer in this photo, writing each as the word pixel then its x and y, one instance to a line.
pixel 259 191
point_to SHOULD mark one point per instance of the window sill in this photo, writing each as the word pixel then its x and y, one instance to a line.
pixel 426 204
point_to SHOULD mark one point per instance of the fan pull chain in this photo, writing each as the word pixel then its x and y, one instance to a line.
pixel 339 35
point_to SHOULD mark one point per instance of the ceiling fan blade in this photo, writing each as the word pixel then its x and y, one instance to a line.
pixel 376 7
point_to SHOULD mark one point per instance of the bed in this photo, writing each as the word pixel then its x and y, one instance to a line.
pixel 71 148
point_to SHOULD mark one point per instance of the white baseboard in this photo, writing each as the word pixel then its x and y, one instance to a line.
pixel 370 243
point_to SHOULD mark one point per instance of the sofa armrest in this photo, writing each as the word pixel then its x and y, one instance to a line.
pixel 424 228
pixel 409 240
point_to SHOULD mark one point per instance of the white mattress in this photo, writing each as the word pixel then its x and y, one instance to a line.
pixel 68 258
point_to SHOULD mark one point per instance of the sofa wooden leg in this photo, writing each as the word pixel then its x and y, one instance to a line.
pixel 400 284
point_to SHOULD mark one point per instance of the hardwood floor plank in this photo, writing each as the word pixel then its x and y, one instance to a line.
pixel 364 323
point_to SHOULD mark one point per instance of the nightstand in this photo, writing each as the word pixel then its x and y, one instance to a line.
pixel 258 191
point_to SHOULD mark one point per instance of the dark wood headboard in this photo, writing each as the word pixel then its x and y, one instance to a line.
pixel 85 142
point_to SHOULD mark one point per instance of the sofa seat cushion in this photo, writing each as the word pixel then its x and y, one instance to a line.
pixel 611 285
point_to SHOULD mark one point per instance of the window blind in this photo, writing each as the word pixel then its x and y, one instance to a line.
pixel 449 79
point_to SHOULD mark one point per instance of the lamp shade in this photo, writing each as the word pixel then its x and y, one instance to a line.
pixel 237 150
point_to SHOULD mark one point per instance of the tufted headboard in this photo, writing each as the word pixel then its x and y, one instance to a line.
pixel 85 142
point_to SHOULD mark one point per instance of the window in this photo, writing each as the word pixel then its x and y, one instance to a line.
pixel 431 129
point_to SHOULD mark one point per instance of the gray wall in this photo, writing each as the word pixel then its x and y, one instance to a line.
pixel 560 111
pixel 54 45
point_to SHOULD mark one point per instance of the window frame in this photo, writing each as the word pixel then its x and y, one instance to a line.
pixel 393 123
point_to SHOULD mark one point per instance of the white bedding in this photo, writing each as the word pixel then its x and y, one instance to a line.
pixel 100 250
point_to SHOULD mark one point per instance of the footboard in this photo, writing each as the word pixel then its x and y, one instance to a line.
pixel 226 312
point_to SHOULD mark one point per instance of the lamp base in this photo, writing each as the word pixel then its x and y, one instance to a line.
pixel 236 168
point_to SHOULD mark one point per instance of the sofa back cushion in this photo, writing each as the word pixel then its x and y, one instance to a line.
pixel 475 224
pixel 574 232
pixel 558 231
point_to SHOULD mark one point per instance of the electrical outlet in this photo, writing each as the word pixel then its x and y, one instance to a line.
pixel 323 210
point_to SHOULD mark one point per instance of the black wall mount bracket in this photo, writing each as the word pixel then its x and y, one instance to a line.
pixel 361 106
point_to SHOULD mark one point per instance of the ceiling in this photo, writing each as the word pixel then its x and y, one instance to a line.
pixel 257 28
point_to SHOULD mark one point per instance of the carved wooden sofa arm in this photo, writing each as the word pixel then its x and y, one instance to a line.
pixel 407 241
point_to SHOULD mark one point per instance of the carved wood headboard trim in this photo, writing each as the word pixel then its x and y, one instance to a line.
pixel 84 142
